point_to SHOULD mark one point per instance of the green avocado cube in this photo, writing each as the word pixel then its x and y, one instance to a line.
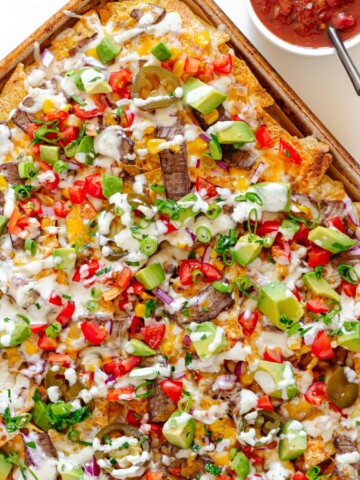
pixel 237 132
pixel 75 474
pixel 204 98
pixel 241 465
pixel 139 348
pixel 94 81
pixel 49 153
pixel 275 196
pixel 179 430
pixel 5 467
pixel 39 415
pixel 161 52
pixel 111 185
pixel 293 440
pixel 64 258
pixel 246 251
pixel 151 276
pixel 279 304
pixel 350 336
pixel 319 286
pixel 276 379
pixel 331 239
pixel 208 339
pixel 107 49
pixel 21 333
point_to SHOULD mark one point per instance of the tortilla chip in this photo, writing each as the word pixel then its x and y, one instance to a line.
pixel 13 92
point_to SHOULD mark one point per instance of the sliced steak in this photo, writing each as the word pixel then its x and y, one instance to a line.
pixel 22 119
pixel 174 164
pixel 244 159
pixel 345 470
pixel 126 149
pixel 17 243
pixel 81 44
pixel 223 117
pixel 154 13
pixel 326 208
pixel 209 303
pixel 351 258
pixel 43 451
pixel 160 407
pixel 10 171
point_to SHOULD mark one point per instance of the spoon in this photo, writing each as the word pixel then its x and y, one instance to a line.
pixel 344 56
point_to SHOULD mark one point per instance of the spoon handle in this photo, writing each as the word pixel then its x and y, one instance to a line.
pixel 344 56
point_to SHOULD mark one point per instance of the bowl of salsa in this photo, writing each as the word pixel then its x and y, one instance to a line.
pixel 299 26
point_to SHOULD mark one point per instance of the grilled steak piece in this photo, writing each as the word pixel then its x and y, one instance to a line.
pixel 160 407
pixel 174 164
pixel 351 258
pixel 346 470
pixel 154 12
pixel 44 449
pixel 81 44
pixel 326 208
pixel 223 117
pixel 214 301
pixel 10 171
pixel 233 157
pixel 22 119
pixel 126 149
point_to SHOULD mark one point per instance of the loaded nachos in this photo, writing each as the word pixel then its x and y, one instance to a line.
pixel 178 275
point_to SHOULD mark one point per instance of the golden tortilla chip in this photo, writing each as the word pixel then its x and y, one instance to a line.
pixel 13 92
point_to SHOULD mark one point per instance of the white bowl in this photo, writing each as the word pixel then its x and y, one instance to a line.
pixel 289 47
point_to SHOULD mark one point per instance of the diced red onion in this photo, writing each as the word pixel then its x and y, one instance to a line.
pixel 163 296
pixel 166 132
pixel 48 211
pixel 222 165
pixel 351 211
pixel 205 137
pixel 110 326
pixel 92 468
pixel 33 370
pixel 197 165
pixel 192 234
pixel 238 369
pixel 355 250
pixel 242 90
pixel 92 62
pixel 47 57
pixel 186 340
pixel 110 379
pixel 207 254
pixel 259 169
pixel 73 166
pixel 35 455
pixel 179 375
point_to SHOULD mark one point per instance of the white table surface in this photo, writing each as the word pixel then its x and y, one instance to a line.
pixel 320 82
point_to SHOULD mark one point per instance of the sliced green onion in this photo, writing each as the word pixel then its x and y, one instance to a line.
pixel 132 264
pixel 60 166
pixel 96 292
pixel 252 233
pixel 221 287
pixel 207 160
pixel 196 276
pixel 229 257
pixel 30 247
pixel 214 211
pixel 92 227
pixel 203 234
pixel 157 188
pixel 148 246
pixel 135 233
pixel 268 241
pixel 185 403
pixel 53 330
pixel 250 197
pixel 92 305
pixel 243 284
pixel 144 385
pixel 143 223
pixel 348 273
pixel 305 220
pixel 118 211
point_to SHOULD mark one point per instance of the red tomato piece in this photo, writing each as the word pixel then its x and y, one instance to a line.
pixel 263 137
pixel 93 333
pixel 317 305
pixel 186 269
pixel 93 186
pixel 153 334
pixel 250 453
pixel 38 328
pixel 299 476
pixel 223 65
pixel 210 273
pixel 60 115
pixel 192 65
pixel 13 222
pixel 205 188
pixel 51 179
pixel 170 227
pixel 87 270
pixel 68 135
pixel 99 110
pixel 136 325
pixel 137 287
pixel 349 288
pixel 133 419
pixel 289 152
pixel 31 129
pixel 77 192
pixel 281 251
pixel 336 223
pixel 268 227
pixel 66 313
pixel 120 81
pixel 46 343
pixel 173 389
pixel 31 207
pixel 154 476
pixel 321 347
pixel 264 403
pixel 206 71
pixel 121 368
pixel 55 299
pixel 61 358
pixel 301 236
pixel 316 393
pixel 123 278
pixel 318 256
pixel 248 320
pixel 130 116
pixel 168 65
pixel 62 209
pixel 273 355
pixel 295 291
pixel 122 393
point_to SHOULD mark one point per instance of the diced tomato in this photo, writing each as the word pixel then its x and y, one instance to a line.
pixel 336 222
pixel 250 453
pixel 295 291
pixel 99 110
pixel 210 273
pixel 121 368
pixel 264 403
pixel 137 287
pixel 133 419
pixel 224 477
pixel 136 325
pixel 173 389
pixel 299 476
pixel 52 179
pixel 68 135
pixel 130 116
pixel 129 363
pixel 223 65
pixel 66 313
pixel 95 334
pixel 301 236
pixel 31 207
pixel 153 334
pixel 122 393
pixel 263 137
pixel 60 115
pixel 273 355
pixel 175 471
pixel 248 320
pixel 93 186
pixel 77 192
pixel 55 299
pixel 318 256
pixel 87 270
pixel 289 152
pixel 87 210
pixel 46 343
pixel 60 358
pixel 316 393
pixel 35 150
pixel 281 251
pixel 123 278
pixel 38 328
pixel 154 476
pixel 349 288
pixel 205 188
pixel 321 347
pixel 62 209
pixel 26 222
pixel 268 227
pixel 168 65
pixel 317 305
pixel 170 227
pixel 192 65
pixel 120 81
pixel 13 227
pixel 123 302
pixel 206 71
pixel 31 129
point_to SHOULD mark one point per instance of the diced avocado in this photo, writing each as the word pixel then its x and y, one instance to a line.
pixel 76 474
pixel 107 49
pixel 5 467
pixel 241 465
pixel 179 430
pixel 201 96
pixel 161 52
pixel 49 153
pixel 64 258
pixel 293 440
pixel 85 152
pixel 319 286
pixel 208 339
pixel 21 333
pixel 274 195
pixel 237 132
pixel 111 185
pixel 3 223
pixel 151 276
pixel 246 251
pixel 289 228
pixel 331 239
pixel 279 304
pixel 39 415
pixel 94 81
pixel 350 337
pixel 139 348
pixel 276 379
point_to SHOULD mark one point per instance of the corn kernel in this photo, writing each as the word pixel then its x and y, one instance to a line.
pixel 67 107
pixel 65 193
pixel 154 144
pixel 179 67
pixel 149 130
pixel 3 183
pixel 211 117
pixel 203 39
pixel 91 53
pixel 197 146
pixel 48 106
pixel 175 52
pixel 45 222
pixel 140 310
pixel 174 148
pixel 30 348
pixel 221 458
pixel 152 196
pixel 110 120
pixel 167 347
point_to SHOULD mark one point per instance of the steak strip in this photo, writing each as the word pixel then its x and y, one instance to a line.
pixel 44 444
pixel 81 44
pixel 22 119
pixel 156 13
pixel 10 172
pixel 343 445
pixel 160 406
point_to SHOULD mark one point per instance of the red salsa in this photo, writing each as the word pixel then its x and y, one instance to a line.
pixel 303 22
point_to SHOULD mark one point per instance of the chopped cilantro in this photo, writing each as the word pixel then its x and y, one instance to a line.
pixel 212 469
pixel 150 306
pixel 188 358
